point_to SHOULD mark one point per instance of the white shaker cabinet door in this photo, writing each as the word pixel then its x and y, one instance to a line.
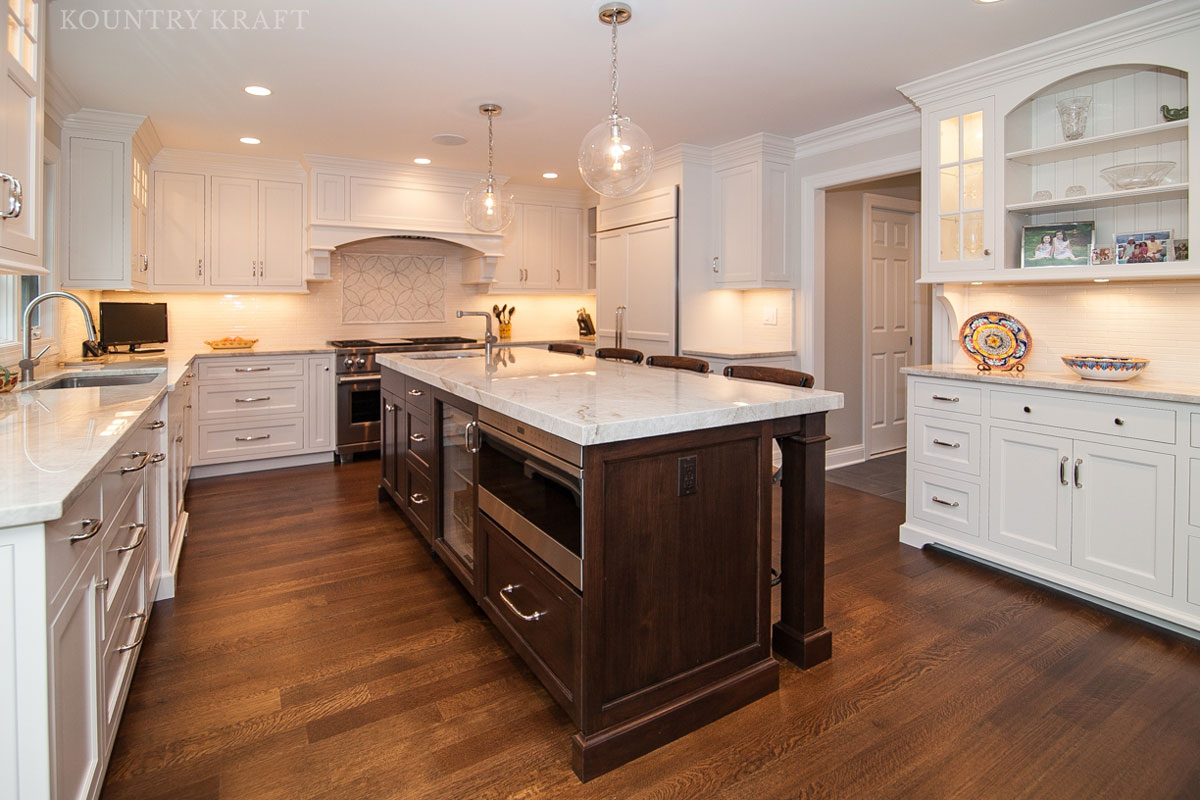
pixel 612 288
pixel 178 230
pixel 539 246
pixel 650 321
pixel 1030 493
pixel 1123 514
pixel 234 214
pixel 281 231
pixel 570 246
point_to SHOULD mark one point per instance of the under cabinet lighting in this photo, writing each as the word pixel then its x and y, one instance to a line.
pixel 1100 280
pixel 258 91
pixel 422 161
pixel 977 283
pixel 549 175
pixel 250 140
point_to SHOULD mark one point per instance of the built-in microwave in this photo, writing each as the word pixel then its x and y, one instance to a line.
pixel 531 485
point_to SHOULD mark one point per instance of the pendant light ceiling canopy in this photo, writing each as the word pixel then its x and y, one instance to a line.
pixel 616 157
pixel 487 206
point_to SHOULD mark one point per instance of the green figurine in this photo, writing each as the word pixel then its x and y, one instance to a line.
pixel 1174 114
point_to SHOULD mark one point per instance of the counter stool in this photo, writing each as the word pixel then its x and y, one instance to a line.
pixel 619 354
pixel 569 349
pixel 678 362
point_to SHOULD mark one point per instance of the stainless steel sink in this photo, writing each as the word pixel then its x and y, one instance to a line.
pixel 424 356
pixel 84 380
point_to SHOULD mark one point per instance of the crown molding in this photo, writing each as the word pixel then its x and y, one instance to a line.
pixel 112 122
pixel 1167 18
pixel 755 145
pixel 682 153
pixel 60 101
pixel 864 129
pixel 178 159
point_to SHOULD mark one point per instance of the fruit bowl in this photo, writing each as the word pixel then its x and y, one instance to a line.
pixel 1136 176
pixel 1105 368
pixel 9 378
pixel 231 343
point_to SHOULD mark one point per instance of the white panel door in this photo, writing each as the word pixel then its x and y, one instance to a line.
pixel 233 209
pixel 612 283
pixel 21 157
pixel 511 269
pixel 281 233
pixel 1030 502
pixel 889 281
pixel 1123 514
pixel 97 227
pixel 570 245
pixel 650 321
pixel 738 225
pixel 539 246
pixel 178 229
pixel 321 398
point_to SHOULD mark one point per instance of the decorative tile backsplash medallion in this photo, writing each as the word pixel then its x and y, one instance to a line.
pixel 393 288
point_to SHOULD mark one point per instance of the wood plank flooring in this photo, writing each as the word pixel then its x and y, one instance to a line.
pixel 316 650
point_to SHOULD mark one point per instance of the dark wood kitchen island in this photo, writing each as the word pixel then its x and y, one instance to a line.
pixel 648 613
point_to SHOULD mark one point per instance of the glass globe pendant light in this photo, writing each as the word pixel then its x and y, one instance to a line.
pixel 487 206
pixel 616 157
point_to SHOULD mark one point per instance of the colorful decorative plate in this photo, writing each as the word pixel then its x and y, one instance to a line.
pixel 995 340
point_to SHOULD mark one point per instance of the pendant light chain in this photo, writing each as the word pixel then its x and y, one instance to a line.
pixel 615 80
pixel 491 150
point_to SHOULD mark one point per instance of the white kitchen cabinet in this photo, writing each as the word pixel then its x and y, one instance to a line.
pixel 257 232
pixel 107 197
pixel 750 224
pixel 178 242
pixel 1073 488
pixel 21 102
pixel 636 271
pixel 544 249
pixel 570 249
pixel 322 397
pixel 958 176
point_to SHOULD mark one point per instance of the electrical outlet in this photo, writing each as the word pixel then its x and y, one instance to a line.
pixel 687 475
pixel 771 316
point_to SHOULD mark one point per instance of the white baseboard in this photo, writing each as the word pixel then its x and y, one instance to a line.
pixel 845 456
pixel 260 464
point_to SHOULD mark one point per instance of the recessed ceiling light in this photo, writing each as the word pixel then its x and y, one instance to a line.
pixel 422 161
pixel 550 175
pixel 258 91
pixel 449 139
pixel 986 2
pixel 250 140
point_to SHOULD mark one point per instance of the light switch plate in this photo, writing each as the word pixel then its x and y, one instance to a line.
pixel 771 316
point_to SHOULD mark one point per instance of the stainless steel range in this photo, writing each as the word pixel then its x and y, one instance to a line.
pixel 358 404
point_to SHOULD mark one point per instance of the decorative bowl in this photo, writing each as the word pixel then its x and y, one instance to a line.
pixel 1105 368
pixel 1136 176
pixel 231 343
pixel 9 378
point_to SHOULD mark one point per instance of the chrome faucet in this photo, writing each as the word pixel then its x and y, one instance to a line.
pixel 28 361
pixel 488 339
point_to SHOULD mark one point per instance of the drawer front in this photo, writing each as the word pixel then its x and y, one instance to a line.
pixel 1193 501
pixel 950 443
pixel 1193 570
pixel 235 441
pixel 122 547
pixel 418 397
pixel 1195 428
pixel 418 500
pixel 951 503
pixel 946 396
pixel 254 398
pixel 519 587
pixel 1093 416
pixel 126 471
pixel 245 368
pixel 122 647
pixel 82 518
pixel 421 441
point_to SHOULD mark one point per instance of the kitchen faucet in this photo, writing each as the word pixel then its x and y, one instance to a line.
pixel 28 361
pixel 488 339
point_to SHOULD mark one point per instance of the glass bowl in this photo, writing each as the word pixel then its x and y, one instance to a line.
pixel 1136 176
pixel 1105 368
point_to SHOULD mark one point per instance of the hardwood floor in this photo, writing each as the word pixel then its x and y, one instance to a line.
pixel 315 650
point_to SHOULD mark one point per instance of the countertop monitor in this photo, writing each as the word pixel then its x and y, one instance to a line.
pixel 133 324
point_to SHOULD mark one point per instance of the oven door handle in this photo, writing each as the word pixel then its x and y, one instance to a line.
pixel 551 475
pixel 532 452
pixel 344 379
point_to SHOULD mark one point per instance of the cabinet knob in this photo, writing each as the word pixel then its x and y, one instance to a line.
pixel 716 263
pixel 987 251
pixel 1118 421
pixel 1027 411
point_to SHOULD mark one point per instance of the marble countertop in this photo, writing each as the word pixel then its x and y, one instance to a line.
pixel 588 401
pixel 1143 386
pixel 722 352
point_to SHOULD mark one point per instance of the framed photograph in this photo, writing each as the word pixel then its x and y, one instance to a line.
pixel 1146 247
pixel 1103 256
pixel 1068 244
pixel 1181 250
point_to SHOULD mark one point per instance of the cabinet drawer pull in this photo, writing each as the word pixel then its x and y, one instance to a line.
pixel 388 407
pixel 158 458
pixel 251 399
pixel 90 528
pixel 947 444
pixel 418 499
pixel 199 267
pixel 951 503
pixel 1118 421
pixel 1078 464
pixel 1062 471
pixel 138 537
pixel 158 423
pixel 179 439
pixel 416 392
pixel 416 437
pixel 469 434
pixel 251 438
pixel 945 399
pixel 140 465
pixel 15 196
pixel 506 591
pixel 137 640
pixel 102 586
pixel 251 369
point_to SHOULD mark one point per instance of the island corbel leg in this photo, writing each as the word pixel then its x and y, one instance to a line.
pixel 801 636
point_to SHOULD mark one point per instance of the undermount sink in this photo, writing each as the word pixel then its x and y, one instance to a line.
pixel 84 380
pixel 423 356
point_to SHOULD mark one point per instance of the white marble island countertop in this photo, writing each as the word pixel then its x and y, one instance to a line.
pixel 1143 386
pixel 590 401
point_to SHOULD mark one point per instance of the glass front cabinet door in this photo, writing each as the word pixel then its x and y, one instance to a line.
pixel 456 540
pixel 959 188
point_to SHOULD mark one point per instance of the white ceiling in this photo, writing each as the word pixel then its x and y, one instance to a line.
pixel 377 79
